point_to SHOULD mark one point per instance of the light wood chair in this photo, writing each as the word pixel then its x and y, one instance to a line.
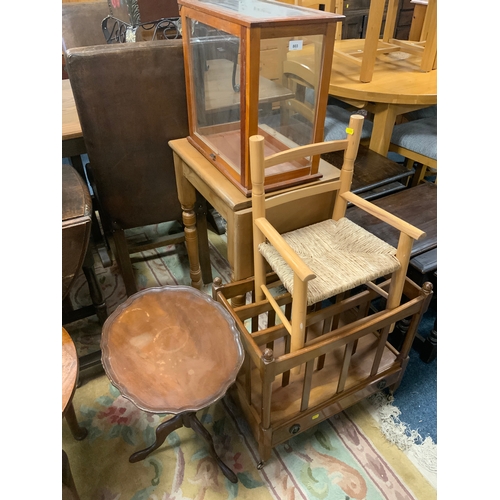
pixel 416 140
pixel 419 22
pixel 329 258
pixel 373 45
pixel 335 6
pixel 302 78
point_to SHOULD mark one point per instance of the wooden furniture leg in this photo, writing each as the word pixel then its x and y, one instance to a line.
pixel 375 16
pixel 189 420
pixel 417 22
pixel 123 257
pixel 162 431
pixel 95 290
pixel 383 124
pixel 69 489
pixel 202 214
pixel 428 350
pixel 187 199
pixel 78 432
pixel 429 57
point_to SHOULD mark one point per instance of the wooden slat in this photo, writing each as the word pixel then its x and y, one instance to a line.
pixel 247 370
pixel 380 349
pixel 307 150
pixel 286 375
pixel 306 390
pixel 277 308
pixel 348 351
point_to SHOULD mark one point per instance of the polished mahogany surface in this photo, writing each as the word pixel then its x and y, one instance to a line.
pixel 69 369
pixel 171 349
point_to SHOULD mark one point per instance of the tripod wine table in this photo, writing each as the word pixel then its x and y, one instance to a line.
pixel 173 350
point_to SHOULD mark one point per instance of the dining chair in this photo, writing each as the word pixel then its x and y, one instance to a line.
pixel 131 100
pixel 334 6
pixel 416 140
pixel 82 24
pixel 325 260
pixel 303 80
pixel 70 369
pixel 380 41
pixel 336 119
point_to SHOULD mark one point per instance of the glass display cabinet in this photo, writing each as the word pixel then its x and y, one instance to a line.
pixel 256 67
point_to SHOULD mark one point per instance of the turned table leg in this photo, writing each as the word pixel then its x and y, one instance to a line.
pixel 187 199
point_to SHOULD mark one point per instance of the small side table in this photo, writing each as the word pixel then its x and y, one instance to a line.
pixel 174 350
pixel 69 379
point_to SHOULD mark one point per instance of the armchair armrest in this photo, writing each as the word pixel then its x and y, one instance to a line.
pixel 303 272
pixel 383 215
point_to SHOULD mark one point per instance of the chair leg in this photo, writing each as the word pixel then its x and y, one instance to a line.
pixel 124 262
pixel 94 288
pixel 428 351
pixel 69 488
pixel 419 174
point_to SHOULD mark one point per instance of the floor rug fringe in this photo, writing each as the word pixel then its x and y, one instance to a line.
pixel 398 433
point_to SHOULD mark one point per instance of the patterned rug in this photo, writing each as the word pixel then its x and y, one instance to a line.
pixel 344 457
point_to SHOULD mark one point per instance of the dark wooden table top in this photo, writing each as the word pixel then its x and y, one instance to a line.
pixel 76 225
pixel 69 369
pixel 371 169
pixel 171 349
pixel 76 200
pixel 416 205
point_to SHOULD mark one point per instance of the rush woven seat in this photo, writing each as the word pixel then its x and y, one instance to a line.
pixel 341 254
pixel 328 258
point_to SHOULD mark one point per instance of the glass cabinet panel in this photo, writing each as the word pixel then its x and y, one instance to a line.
pixel 254 67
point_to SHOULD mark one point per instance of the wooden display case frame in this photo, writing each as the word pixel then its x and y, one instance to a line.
pixel 251 32
pixel 343 361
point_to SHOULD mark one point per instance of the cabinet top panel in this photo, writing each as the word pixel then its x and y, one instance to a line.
pixel 257 11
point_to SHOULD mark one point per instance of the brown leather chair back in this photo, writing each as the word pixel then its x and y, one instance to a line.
pixel 81 24
pixel 131 100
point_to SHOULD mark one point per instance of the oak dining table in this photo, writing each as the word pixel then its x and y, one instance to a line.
pixel 398 86
pixel 73 144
